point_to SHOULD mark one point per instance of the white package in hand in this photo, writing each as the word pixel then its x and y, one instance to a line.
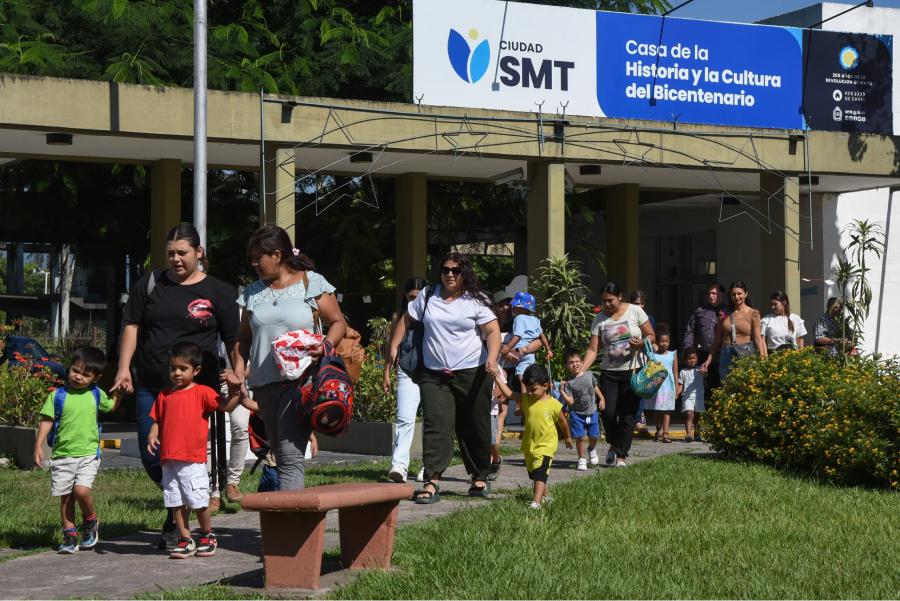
pixel 291 351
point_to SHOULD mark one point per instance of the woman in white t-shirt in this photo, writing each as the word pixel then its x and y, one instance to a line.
pixel 459 352
pixel 782 329
pixel 621 328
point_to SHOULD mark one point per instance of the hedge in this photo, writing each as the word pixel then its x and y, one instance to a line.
pixel 803 411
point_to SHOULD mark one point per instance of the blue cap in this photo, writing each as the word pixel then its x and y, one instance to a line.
pixel 523 300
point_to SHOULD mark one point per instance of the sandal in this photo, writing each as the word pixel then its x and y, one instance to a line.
pixel 665 437
pixel 427 497
pixel 656 435
pixel 480 491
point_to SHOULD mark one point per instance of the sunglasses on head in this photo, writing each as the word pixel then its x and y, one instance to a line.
pixel 448 270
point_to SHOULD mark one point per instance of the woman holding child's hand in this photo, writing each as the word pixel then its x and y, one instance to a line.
pixel 282 300
pixel 179 304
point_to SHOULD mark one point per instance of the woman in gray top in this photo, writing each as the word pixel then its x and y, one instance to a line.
pixel 283 299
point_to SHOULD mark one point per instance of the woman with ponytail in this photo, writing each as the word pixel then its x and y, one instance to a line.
pixel 782 329
pixel 179 304
pixel 282 300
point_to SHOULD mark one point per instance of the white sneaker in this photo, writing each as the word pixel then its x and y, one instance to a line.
pixel 534 505
pixel 397 474
pixel 420 477
pixel 593 457
pixel 621 463
pixel 547 500
pixel 582 464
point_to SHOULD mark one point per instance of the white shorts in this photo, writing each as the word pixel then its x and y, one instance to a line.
pixel 185 483
pixel 68 472
pixel 692 403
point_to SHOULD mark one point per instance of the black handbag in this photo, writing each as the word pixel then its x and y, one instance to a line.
pixel 411 354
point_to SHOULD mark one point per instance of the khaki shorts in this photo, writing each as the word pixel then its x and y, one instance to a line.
pixel 185 483
pixel 68 472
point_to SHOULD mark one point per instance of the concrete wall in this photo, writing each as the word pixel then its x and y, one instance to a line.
pixel 882 332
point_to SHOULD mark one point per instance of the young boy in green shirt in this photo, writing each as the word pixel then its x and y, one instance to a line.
pixel 70 424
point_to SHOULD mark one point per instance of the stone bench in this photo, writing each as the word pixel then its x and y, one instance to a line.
pixel 292 525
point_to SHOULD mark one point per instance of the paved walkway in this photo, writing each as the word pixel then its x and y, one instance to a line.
pixel 123 567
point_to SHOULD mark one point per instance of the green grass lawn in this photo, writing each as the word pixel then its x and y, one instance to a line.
pixel 676 527
pixel 126 501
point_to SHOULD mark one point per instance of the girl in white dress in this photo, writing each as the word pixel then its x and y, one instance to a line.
pixel 663 402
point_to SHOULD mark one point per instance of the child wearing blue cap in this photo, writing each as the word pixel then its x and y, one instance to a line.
pixel 526 328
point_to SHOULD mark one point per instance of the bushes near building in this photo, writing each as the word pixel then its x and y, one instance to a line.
pixel 803 411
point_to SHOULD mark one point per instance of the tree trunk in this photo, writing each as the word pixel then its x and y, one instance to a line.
pixel 67 273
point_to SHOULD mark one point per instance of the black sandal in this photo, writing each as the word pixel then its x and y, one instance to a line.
pixel 480 491
pixel 427 497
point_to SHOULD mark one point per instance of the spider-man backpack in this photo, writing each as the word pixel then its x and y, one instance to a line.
pixel 328 401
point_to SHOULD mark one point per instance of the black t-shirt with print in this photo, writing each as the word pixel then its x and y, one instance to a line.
pixel 198 313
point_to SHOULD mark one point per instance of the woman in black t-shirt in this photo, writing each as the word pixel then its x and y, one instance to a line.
pixel 180 304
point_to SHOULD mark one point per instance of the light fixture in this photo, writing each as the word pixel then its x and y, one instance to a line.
pixel 827 282
pixel 59 139
pixel 590 169
pixel 516 175
pixel 361 157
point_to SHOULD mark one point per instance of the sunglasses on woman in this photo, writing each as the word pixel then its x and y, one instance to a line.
pixel 448 270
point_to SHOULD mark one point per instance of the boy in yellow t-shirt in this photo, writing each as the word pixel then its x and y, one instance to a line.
pixel 70 424
pixel 542 414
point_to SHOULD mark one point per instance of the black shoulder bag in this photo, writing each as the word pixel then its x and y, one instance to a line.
pixel 412 360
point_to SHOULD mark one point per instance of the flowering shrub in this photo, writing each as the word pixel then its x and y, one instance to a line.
pixel 22 392
pixel 803 411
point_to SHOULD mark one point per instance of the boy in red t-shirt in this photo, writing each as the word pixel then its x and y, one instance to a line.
pixel 179 431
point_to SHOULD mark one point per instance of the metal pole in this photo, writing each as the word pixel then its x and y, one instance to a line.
pixel 200 119
pixel 262 160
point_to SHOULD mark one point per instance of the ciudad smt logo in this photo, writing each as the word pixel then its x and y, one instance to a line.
pixel 521 62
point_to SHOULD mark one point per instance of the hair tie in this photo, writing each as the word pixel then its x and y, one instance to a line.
pixel 296 252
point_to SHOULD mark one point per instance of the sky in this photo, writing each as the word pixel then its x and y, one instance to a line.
pixel 752 10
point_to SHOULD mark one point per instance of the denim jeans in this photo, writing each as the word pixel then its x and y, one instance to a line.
pixel 287 436
pixel 145 397
pixel 407 404
pixel 725 359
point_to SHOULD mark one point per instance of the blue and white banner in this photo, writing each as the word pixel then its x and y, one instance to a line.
pixel 684 70
pixel 525 57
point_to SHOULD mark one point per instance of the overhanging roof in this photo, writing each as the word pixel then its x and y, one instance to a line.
pixel 142 124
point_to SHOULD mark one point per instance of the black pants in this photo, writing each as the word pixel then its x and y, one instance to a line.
pixel 460 402
pixel 712 380
pixel 620 414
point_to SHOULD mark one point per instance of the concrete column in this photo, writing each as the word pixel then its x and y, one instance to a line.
pixel 780 248
pixel 15 268
pixel 546 218
pixel 623 236
pixel 280 203
pixel 165 207
pixel 412 227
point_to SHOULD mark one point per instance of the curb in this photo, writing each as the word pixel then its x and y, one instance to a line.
pixel 111 443
pixel 644 434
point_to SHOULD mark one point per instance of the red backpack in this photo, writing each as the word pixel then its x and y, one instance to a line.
pixel 327 402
